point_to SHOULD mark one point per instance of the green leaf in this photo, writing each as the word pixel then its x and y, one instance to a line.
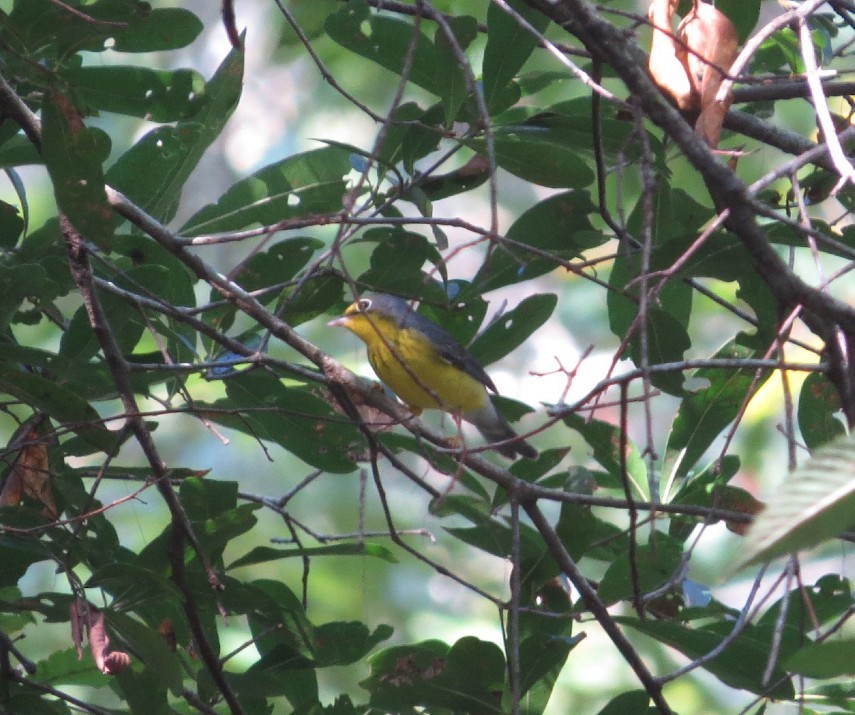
pixel 153 171
pixel 470 175
pixel 301 185
pixel 19 151
pixel 215 532
pixel 158 95
pixel 411 125
pixel 704 489
pixel 315 297
pixel 269 602
pixel 496 538
pixel 11 225
pixel 17 554
pixel 454 88
pixel 63 667
pixel 345 643
pixel 147 644
pixel 388 41
pixel 278 264
pixel 463 319
pixel 164 28
pixel 740 665
pixel 576 527
pixel 263 554
pixel 260 405
pixel 787 42
pixel 275 675
pixel 465 678
pixel 51 31
pixel 829 659
pixel 28 703
pixel 175 286
pixel 207 498
pixel 569 124
pixel 675 226
pixel 18 283
pixel 398 260
pixel 61 403
pixel 825 602
pixel 127 323
pixel 558 226
pixel 541 657
pixel 132 585
pixel 819 403
pixel 73 161
pixel 814 503
pixel 534 156
pixel 667 341
pixel 704 413
pixel 508 47
pixel 143 691
pixel 743 15
pixel 605 441
pixel 631 702
pixel 656 563
pixel 513 328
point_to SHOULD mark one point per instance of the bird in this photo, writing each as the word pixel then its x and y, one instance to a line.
pixel 427 368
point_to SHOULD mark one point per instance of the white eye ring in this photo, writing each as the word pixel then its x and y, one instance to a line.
pixel 364 305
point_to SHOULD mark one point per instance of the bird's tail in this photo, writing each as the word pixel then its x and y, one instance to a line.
pixel 495 428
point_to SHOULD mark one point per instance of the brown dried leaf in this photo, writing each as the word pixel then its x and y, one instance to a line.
pixel 712 45
pixel 13 490
pixel 108 662
pixel 116 662
pixel 76 614
pixel 737 499
pixel 166 630
pixel 665 64
pixel 690 66
pixel 30 473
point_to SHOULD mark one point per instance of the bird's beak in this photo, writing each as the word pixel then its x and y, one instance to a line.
pixel 340 322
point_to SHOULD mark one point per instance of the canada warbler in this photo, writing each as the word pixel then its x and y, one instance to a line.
pixel 427 368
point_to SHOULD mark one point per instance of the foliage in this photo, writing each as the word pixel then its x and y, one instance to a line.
pixel 118 325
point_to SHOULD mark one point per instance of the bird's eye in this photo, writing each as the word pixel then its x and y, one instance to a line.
pixel 364 305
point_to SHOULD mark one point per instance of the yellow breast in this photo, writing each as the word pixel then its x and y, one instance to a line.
pixel 420 377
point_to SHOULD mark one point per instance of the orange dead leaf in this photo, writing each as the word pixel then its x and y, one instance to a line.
pixel 665 65
pixel 30 473
pixel 689 66
pixel 712 48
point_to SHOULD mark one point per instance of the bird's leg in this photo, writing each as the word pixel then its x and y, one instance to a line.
pixel 458 442
pixel 414 412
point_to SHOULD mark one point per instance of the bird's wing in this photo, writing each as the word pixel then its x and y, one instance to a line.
pixel 448 348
